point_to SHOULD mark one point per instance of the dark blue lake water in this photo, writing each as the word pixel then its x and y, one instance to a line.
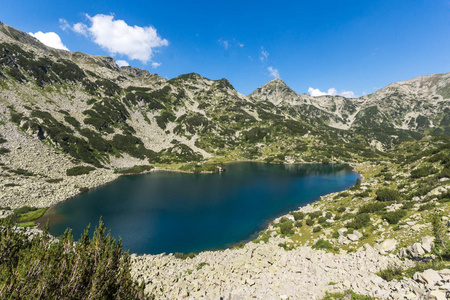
pixel 175 212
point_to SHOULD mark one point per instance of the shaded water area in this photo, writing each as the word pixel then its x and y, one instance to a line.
pixel 175 212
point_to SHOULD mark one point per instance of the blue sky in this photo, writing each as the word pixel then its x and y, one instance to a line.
pixel 337 46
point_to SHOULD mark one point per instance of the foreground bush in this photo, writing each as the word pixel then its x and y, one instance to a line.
pixel 37 268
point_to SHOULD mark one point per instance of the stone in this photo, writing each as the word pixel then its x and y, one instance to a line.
pixel 445 274
pixel 430 277
pixel 417 227
pixel 388 245
pixel 436 295
pixel 343 240
pixel 416 250
pixel 427 241
pixel 418 291
pixel 342 231
pixel 353 237
pixel 358 234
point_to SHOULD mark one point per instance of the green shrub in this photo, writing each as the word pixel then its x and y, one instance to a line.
pixel 341 209
pixel 54 180
pixel 4 150
pixel 298 224
pixel 427 206
pixel 335 235
pixel 360 221
pixel 387 195
pixel 408 205
pixel 322 220
pixel 394 216
pixel 92 268
pixel 286 228
pixel 317 229
pixel 391 272
pixel 181 255
pixel 283 219
pixel 298 215
pixel 315 214
pixel 423 172
pixel 322 244
pixel 136 169
pixel 372 207
pixel 79 170
pixel 310 222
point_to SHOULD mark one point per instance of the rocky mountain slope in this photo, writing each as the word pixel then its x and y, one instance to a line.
pixel 68 113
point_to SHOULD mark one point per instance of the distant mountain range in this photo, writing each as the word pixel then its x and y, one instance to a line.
pixel 89 109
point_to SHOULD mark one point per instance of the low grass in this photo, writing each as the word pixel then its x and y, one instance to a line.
pixel 32 215
pixel 27 224
pixel 350 295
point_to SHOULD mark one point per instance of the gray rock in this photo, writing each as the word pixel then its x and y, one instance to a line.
pixel 342 231
pixel 429 277
pixel 436 295
pixel 402 253
pixel 427 243
pixel 388 245
pixel 416 250
pixel 353 237
pixel 358 234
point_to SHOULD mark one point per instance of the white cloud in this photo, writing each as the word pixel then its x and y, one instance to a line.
pixel 347 94
pixel 331 91
pixel 81 29
pixel 224 43
pixel 227 44
pixel 117 37
pixel 63 24
pixel 156 64
pixel 264 54
pixel 273 72
pixel 122 63
pixel 50 39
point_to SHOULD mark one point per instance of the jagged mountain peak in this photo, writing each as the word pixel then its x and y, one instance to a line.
pixel 275 91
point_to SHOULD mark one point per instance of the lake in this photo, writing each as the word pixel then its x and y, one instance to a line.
pixel 176 212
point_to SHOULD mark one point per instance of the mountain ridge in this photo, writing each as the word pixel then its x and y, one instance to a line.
pixel 85 110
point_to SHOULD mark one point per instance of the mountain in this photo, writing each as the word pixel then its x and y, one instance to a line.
pixel 68 113
pixel 420 104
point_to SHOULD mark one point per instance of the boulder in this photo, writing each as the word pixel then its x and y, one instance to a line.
pixel 358 234
pixel 429 277
pixel 388 245
pixel 427 243
pixel 343 240
pixel 353 237
pixel 402 253
pixel 416 250
pixel 342 231
pixel 436 295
